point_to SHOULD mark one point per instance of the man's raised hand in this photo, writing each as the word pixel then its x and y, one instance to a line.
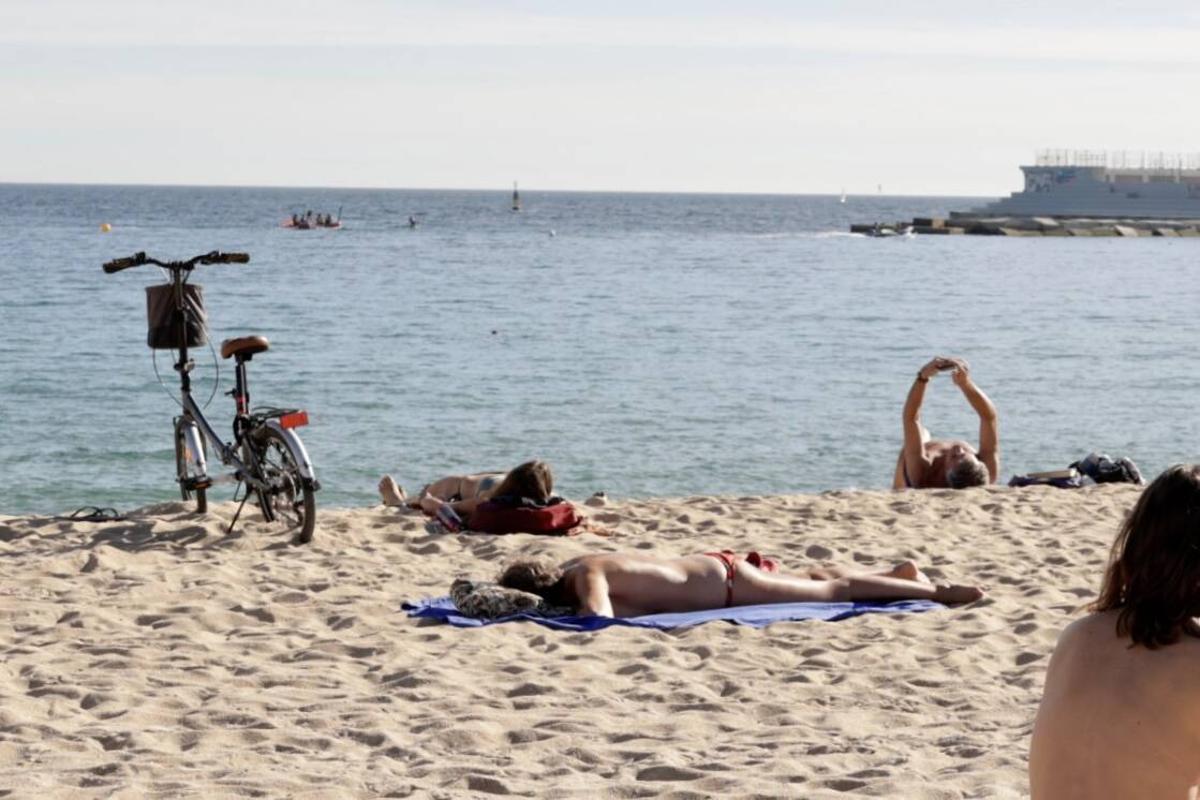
pixel 962 371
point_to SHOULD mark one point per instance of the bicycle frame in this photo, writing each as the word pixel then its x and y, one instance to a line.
pixel 266 457
pixel 196 428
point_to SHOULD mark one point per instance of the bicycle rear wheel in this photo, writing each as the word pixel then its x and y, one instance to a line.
pixel 290 500
pixel 183 471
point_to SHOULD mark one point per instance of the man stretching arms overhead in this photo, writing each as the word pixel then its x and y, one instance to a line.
pixel 927 463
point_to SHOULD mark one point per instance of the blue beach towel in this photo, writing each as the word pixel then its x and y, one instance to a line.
pixel 755 616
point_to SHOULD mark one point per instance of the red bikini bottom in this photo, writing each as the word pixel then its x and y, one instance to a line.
pixel 730 559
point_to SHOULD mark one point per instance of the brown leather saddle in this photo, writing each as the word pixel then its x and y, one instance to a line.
pixel 244 347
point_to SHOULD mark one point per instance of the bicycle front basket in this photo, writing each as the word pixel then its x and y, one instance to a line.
pixel 165 320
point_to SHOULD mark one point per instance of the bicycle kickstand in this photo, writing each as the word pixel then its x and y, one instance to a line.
pixel 238 513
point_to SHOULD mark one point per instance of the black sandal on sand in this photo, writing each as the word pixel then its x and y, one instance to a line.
pixel 94 514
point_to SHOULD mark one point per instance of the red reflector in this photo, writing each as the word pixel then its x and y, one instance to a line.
pixel 294 419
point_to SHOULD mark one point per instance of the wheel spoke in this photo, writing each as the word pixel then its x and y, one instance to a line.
pixel 290 501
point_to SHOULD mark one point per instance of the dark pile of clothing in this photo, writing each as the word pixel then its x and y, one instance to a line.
pixel 1091 469
pixel 1102 469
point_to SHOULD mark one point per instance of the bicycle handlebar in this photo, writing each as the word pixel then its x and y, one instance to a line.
pixel 138 259
pixel 118 264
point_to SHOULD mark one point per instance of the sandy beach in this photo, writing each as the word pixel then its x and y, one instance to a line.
pixel 160 657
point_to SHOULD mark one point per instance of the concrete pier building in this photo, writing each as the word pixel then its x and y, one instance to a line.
pixel 1104 184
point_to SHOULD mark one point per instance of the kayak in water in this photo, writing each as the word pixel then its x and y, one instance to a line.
pixel 308 222
pixel 308 225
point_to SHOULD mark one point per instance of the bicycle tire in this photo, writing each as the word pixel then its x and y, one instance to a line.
pixel 293 502
pixel 181 472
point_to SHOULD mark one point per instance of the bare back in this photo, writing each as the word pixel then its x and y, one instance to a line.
pixel 638 584
pixel 464 487
pixel 1117 721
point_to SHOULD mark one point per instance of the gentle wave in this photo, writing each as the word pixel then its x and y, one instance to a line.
pixel 655 345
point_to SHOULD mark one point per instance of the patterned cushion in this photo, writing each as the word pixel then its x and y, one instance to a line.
pixel 490 600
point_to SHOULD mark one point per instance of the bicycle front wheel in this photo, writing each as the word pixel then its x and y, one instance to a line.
pixel 290 500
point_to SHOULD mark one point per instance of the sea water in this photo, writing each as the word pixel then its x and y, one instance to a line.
pixel 642 344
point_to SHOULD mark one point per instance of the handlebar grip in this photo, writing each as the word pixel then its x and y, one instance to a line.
pixel 216 257
pixel 118 264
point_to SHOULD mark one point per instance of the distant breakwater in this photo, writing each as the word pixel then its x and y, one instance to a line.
pixel 958 224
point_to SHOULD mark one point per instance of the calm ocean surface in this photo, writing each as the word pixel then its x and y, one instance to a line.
pixel 642 344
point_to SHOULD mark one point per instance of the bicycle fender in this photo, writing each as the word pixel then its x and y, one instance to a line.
pixel 195 449
pixel 299 454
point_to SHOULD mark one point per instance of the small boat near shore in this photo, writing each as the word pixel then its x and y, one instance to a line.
pixel 307 222
pixel 883 231
pixel 309 225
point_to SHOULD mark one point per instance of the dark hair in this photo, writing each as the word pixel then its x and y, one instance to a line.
pixel 966 473
pixel 537 576
pixel 530 480
pixel 1153 575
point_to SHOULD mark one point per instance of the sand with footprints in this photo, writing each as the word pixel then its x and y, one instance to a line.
pixel 158 656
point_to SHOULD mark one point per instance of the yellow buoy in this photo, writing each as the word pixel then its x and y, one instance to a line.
pixel 105 227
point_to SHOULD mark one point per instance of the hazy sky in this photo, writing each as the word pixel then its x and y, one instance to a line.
pixel 938 97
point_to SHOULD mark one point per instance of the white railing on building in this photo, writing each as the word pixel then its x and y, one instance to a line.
pixel 1145 160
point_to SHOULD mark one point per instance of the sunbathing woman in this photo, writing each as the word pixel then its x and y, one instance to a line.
pixel 531 480
pixel 1120 716
pixel 629 584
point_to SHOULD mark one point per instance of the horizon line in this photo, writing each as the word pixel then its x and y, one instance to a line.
pixel 477 189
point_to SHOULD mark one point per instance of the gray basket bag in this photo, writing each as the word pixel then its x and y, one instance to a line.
pixel 164 319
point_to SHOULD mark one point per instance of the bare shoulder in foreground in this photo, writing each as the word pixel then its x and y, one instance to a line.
pixel 1120 715
pixel 1117 721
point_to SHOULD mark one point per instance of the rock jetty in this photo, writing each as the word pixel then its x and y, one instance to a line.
pixel 965 224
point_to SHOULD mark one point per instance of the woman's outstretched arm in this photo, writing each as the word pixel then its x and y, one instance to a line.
pixel 592 588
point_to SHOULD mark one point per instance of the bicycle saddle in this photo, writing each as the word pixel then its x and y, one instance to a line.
pixel 244 346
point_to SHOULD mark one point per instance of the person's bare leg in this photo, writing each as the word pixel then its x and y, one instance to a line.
pixel 883 587
pixel 886 587
pixel 907 570
pixel 391 492
pixel 753 586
